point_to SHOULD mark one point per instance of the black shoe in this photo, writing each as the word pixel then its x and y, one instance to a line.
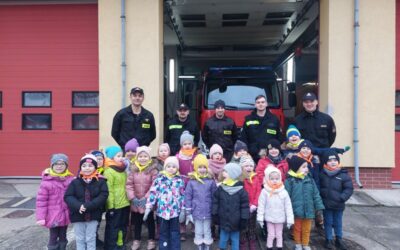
pixel 340 244
pixel 99 243
pixel 328 244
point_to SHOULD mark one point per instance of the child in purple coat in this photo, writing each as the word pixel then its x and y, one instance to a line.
pixel 198 202
pixel 51 210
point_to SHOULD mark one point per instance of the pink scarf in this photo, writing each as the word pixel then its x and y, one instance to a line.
pixel 216 167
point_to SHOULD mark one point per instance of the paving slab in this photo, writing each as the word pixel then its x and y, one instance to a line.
pixel 7 190
pixel 27 189
pixel 360 198
pixel 389 198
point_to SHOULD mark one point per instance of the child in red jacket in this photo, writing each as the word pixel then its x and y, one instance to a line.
pixel 252 185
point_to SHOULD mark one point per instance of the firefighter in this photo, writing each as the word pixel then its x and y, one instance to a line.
pixel 220 129
pixel 259 127
pixel 315 126
pixel 134 121
pixel 179 123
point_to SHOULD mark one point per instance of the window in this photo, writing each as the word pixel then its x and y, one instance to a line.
pixel 398 98
pixel 85 99
pixel 38 99
pixel 36 121
pixel 397 125
pixel 85 121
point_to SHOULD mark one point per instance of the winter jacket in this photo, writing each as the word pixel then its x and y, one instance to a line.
pixel 185 165
pixel 317 127
pixel 258 130
pixel 276 207
pixel 283 167
pixel 222 132
pixel 116 182
pixel 336 189
pixel 174 131
pixel 231 207
pixel 92 196
pixel 304 195
pixel 127 125
pixel 50 205
pixel 168 195
pixel 253 189
pixel 138 185
pixel 198 198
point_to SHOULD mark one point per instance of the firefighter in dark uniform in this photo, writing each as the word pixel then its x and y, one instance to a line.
pixel 220 129
pixel 315 126
pixel 179 123
pixel 259 127
pixel 134 121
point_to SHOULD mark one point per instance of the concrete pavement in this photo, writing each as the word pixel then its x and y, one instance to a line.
pixel 371 220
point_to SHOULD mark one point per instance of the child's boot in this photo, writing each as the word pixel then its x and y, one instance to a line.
pixel 62 245
pixel 340 244
pixel 306 248
pixel 252 245
pixel 243 244
pixel 328 244
pixel 200 247
pixel 136 245
pixel 206 247
pixel 53 247
pixel 151 244
pixel 298 247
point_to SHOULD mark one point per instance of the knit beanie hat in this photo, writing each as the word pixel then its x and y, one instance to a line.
pixel 111 151
pixel 131 145
pixel 274 143
pixel 330 154
pixel 171 160
pixel 164 145
pixel 295 162
pixel 144 149
pixel 239 145
pixel 97 153
pixel 306 144
pixel 200 160
pixel 246 160
pixel 216 149
pixel 88 158
pixel 186 136
pixel 292 130
pixel 58 157
pixel 234 170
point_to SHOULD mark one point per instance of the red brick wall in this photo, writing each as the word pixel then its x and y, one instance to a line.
pixel 374 178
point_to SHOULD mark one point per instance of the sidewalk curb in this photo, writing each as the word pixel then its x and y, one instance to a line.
pixel 364 242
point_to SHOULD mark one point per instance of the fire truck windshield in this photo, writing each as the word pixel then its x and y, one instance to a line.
pixel 240 93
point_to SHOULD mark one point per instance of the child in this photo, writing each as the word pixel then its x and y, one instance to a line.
pixel 274 207
pixel 305 200
pixel 130 149
pixel 293 141
pixel 216 162
pixel 143 173
pixel 86 197
pixel 100 160
pixel 253 189
pixel 230 209
pixel 198 201
pixel 313 163
pixel 164 152
pixel 272 155
pixel 336 189
pixel 51 210
pixel 240 149
pixel 167 193
pixel 186 155
pixel 117 203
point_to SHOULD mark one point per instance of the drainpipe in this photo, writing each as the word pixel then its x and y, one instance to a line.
pixel 123 53
pixel 355 111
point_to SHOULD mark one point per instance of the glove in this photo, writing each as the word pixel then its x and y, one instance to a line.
pixel 111 212
pixel 41 222
pixel 289 225
pixel 252 208
pixel 319 217
pixel 243 224
pixel 182 217
pixel 146 213
pixel 141 203
pixel 215 219
pixel 347 148
pixel 189 218
pixel 260 224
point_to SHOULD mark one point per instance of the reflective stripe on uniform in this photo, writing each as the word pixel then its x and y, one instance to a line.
pixel 145 125
pixel 271 131
pixel 227 132
pixel 255 122
pixel 175 126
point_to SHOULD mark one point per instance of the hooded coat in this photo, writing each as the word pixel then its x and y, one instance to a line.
pixel 336 189
pixel 198 198
pixel 283 167
pixel 50 205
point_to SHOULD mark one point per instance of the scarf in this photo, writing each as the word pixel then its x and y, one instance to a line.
pixel 89 178
pixel 216 167
pixel 294 145
pixel 198 177
pixel 161 159
pixel 275 160
pixel 250 176
pixel 65 174
pixel 142 167
pixel 296 175
pixel 229 182
pixel 273 187
pixel 168 175
pixel 307 159
pixel 117 166
pixel 188 152
pixel 332 171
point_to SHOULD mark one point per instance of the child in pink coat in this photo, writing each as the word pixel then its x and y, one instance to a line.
pixel 51 210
